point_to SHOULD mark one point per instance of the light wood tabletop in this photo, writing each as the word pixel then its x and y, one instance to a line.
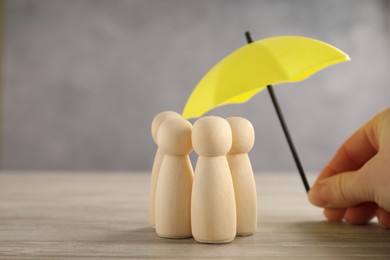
pixel 105 216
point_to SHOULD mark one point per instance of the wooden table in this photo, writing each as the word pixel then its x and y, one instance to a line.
pixel 105 216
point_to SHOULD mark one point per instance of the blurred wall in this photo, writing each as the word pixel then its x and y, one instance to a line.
pixel 84 79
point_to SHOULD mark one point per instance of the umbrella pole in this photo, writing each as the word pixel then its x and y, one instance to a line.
pixel 284 127
pixel 288 137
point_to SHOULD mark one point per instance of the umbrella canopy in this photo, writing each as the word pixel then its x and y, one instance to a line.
pixel 251 68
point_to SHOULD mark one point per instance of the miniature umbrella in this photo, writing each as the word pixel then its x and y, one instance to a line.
pixel 259 65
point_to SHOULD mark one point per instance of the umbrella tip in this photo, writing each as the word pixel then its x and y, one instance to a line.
pixel 248 37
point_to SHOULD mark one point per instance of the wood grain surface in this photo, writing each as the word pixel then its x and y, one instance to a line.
pixel 105 216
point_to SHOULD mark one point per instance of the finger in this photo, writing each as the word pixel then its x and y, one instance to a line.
pixel 361 214
pixel 340 191
pixel 383 218
pixel 334 214
pixel 354 152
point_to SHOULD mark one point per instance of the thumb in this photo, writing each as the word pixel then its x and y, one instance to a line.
pixel 339 191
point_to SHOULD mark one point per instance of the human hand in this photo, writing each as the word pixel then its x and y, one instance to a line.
pixel 355 185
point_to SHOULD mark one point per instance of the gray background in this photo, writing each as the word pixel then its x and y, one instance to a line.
pixel 84 79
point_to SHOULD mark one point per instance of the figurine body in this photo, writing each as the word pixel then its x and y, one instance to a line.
pixel 157 121
pixel 174 185
pixel 213 207
pixel 242 175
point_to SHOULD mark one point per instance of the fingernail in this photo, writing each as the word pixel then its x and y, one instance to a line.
pixel 316 195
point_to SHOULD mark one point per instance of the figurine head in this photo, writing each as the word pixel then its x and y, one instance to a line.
pixel 159 119
pixel 211 136
pixel 174 136
pixel 243 135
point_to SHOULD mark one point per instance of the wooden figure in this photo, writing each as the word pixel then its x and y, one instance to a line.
pixel 242 175
pixel 157 121
pixel 174 185
pixel 213 207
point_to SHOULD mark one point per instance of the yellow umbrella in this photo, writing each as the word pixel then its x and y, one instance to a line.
pixel 259 65
pixel 248 70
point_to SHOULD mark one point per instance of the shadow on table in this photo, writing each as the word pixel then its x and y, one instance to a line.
pixel 145 235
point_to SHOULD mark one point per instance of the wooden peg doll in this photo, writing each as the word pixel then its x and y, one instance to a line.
pixel 174 185
pixel 213 208
pixel 156 123
pixel 242 175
